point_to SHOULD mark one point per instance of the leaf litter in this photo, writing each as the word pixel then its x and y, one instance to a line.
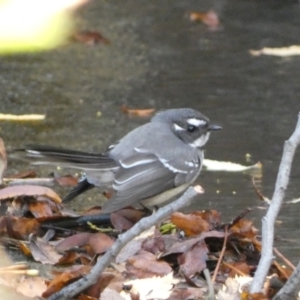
pixel 158 265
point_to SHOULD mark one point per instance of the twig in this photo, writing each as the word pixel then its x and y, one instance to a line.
pixel 221 256
pixel 286 261
pixel 145 223
pixel 268 222
pixel 236 270
pixel 211 292
pixel 239 217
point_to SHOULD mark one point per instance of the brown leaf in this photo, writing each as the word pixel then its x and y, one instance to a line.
pixel 64 278
pixel 156 244
pixel 244 228
pixel 23 174
pixel 124 219
pixel 238 268
pixel 90 38
pixel 194 260
pixel 146 265
pixel 184 246
pixel 40 209
pixel 100 242
pixel 186 294
pixel 102 282
pixel 138 112
pixel 67 180
pixel 32 286
pixel 191 224
pixel 21 228
pixel 42 251
pixel 213 217
pixel 133 215
pixel 29 190
pixel 120 223
pixel 76 240
pixel 209 18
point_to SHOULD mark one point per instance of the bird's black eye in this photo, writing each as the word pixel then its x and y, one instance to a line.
pixel 191 128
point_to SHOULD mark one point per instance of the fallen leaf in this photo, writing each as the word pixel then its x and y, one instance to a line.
pixel 23 174
pixel 145 264
pixel 209 18
pixel 109 294
pixel 67 180
pixel 99 242
pixel 64 278
pixel 194 260
pixel 190 224
pixel 40 209
pixel 152 288
pixel 180 247
pixel 90 38
pixel 186 294
pixel 138 112
pixel 42 251
pixel 29 190
pixel 32 286
pixel 21 228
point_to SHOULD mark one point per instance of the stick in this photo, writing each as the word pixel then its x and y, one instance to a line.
pixel 268 221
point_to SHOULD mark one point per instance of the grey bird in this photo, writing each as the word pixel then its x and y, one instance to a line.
pixel 149 166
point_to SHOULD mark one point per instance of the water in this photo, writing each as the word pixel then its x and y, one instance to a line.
pixel 159 58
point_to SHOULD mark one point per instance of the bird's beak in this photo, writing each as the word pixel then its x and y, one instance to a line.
pixel 214 127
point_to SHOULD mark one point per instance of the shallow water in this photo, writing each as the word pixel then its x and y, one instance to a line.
pixel 159 58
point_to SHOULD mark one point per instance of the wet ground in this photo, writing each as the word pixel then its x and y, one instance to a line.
pixel 159 58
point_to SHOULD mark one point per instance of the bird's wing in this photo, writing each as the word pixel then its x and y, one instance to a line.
pixel 145 175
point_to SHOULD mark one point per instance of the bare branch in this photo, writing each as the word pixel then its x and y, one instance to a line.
pixel 291 287
pixel 268 222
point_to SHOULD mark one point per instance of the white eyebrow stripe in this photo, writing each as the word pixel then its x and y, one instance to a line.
pixel 178 128
pixel 196 122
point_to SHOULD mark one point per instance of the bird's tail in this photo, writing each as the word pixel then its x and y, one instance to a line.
pixel 80 188
pixel 47 155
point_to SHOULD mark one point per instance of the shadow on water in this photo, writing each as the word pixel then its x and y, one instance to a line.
pixel 159 58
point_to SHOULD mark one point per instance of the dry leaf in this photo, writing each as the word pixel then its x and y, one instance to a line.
pixel 138 112
pixel 90 38
pixel 190 224
pixel 155 287
pixel 209 18
pixel 145 264
pixel 29 190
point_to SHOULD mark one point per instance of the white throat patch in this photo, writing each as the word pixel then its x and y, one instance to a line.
pixel 201 141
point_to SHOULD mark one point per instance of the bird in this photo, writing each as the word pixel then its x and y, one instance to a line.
pixel 148 167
